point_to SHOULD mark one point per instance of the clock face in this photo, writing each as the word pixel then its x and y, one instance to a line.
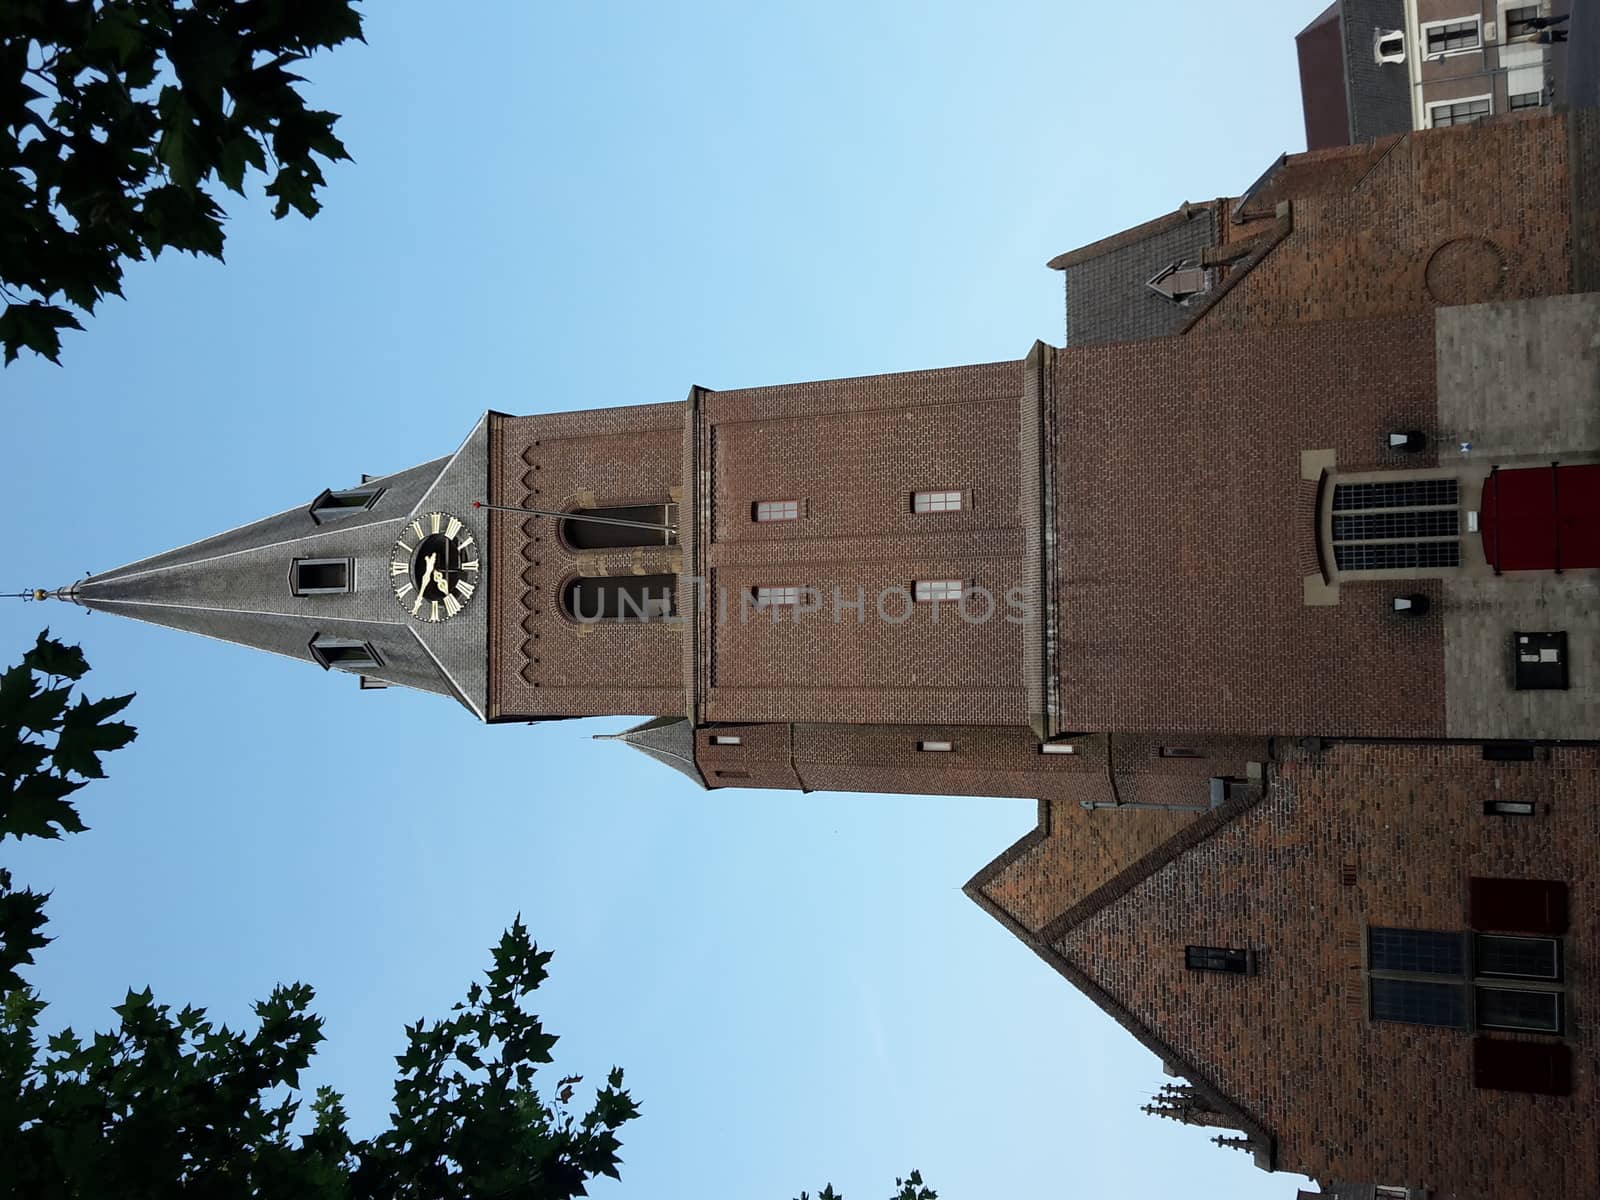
pixel 434 567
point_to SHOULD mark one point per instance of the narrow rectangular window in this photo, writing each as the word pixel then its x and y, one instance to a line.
pixel 1217 958
pixel 1058 748
pixel 1527 100
pixel 935 746
pixel 1180 752
pixel 1525 1009
pixel 1419 1002
pixel 767 597
pixel 1507 808
pixel 1506 957
pixel 732 774
pixel 726 739
pixel 321 576
pixel 939 589
pixel 775 510
pixel 347 654
pixel 1420 951
pixel 934 502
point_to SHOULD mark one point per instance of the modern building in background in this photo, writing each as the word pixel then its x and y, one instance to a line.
pixel 1369 68
pixel 1277 586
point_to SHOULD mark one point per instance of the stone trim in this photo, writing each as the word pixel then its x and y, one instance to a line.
pixel 1128 237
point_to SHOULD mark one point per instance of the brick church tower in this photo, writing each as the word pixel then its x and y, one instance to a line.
pixel 1277 585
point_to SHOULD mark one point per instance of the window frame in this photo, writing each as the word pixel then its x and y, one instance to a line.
pixel 1510 21
pixel 1467 987
pixel 936 591
pixel 320 645
pixel 322 512
pixel 936 746
pixel 1220 960
pixel 1520 101
pixel 296 588
pixel 777 595
pixel 1466 547
pixel 776 511
pixel 1425 32
pixel 1472 119
pixel 932 501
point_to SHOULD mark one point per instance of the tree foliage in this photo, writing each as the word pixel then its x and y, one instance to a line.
pixel 49 748
pixel 172 1105
pixel 909 1188
pixel 121 116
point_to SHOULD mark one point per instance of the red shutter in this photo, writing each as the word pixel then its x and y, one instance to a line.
pixel 1541 1067
pixel 1519 905
pixel 1541 518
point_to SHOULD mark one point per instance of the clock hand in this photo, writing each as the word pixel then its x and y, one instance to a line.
pixel 427 572
pixel 444 584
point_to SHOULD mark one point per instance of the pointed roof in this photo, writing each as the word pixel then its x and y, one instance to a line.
pixel 668 740
pixel 235 586
pixel 1046 942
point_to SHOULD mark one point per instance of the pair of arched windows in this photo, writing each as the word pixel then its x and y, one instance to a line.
pixel 621 597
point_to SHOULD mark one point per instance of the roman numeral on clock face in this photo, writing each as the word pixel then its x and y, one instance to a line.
pixel 453 528
pixel 399 568
pixel 451 605
pixel 465 588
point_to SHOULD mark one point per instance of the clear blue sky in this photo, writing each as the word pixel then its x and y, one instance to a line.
pixel 575 206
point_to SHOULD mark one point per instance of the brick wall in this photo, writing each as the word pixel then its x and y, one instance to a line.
pixel 543 663
pixel 1184 532
pixel 852 451
pixel 1348 1098
pixel 1363 249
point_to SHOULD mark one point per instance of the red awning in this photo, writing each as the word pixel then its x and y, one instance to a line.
pixel 1541 518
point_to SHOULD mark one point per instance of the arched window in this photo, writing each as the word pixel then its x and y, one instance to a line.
pixel 1396 523
pixel 621 598
pixel 621 527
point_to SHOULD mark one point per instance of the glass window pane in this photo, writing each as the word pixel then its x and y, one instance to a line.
pixel 1418 1002
pixel 1509 1008
pixel 1518 957
pixel 1419 951
pixel 1403 493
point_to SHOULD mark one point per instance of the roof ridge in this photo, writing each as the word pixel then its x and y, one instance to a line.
pixel 1119 885
pixel 1146 1036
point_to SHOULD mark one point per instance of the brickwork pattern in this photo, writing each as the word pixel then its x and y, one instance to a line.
pixel 1362 250
pixel 542 662
pixel 1362 836
pixel 852 451
pixel 1182 604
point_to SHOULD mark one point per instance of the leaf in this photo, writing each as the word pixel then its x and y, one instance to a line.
pixel 37 803
pixel 50 657
pixel 21 919
pixel 34 326
pixel 86 734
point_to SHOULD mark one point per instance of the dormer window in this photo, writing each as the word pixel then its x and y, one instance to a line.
pixel 1179 281
pixel 347 654
pixel 331 505
pixel 322 576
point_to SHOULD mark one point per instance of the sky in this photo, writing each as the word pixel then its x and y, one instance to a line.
pixel 576 206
